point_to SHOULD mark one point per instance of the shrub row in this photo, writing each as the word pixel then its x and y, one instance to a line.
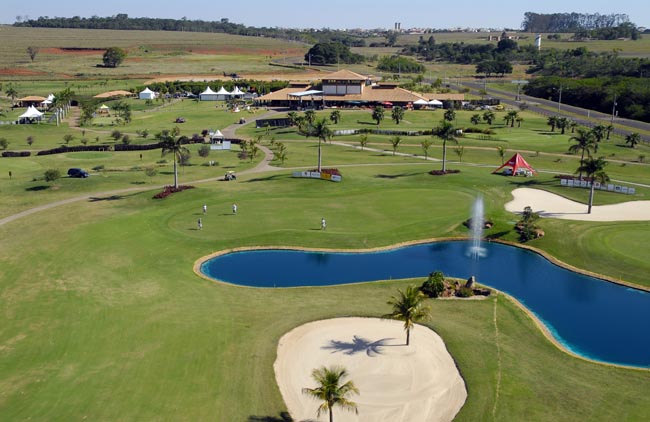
pixel 16 153
pixel 168 190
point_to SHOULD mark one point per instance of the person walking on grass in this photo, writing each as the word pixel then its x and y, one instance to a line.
pixel 200 224
pixel 205 209
pixel 323 224
pixel 234 209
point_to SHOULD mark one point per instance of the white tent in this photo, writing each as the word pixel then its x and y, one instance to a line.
pixel 420 102
pixel 237 92
pixel 31 113
pixel 435 103
pixel 50 97
pixel 147 94
pixel 223 94
pixel 218 141
pixel 208 95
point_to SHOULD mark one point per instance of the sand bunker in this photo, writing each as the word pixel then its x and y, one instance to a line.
pixel 419 382
pixel 548 204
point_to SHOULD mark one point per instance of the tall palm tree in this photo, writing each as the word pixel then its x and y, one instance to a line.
pixel 632 139
pixel 330 392
pixel 447 132
pixel 501 150
pixel 595 170
pixel 585 142
pixel 174 146
pixel 511 117
pixel 323 133
pixel 407 307
pixel 397 114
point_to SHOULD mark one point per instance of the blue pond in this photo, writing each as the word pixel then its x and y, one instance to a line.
pixel 591 317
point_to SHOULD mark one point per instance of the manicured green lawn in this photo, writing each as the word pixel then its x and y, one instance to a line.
pixel 103 317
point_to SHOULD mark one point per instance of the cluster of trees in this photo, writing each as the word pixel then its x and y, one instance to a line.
pixel 624 30
pixel 580 62
pixel 631 95
pixel 332 53
pixel 570 22
pixel 460 52
pixel 113 57
pixel 399 64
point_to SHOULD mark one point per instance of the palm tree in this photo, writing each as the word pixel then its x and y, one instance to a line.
pixel 599 132
pixel 397 114
pixel 310 116
pixel 609 129
pixel 632 139
pixel 450 115
pixel 519 119
pixel 335 116
pixel 595 170
pixel 407 307
pixel 475 119
pixel 585 141
pixel 293 118
pixel 174 146
pixel 395 141
pixel 446 132
pixel 562 123
pixel 378 114
pixel 511 117
pixel 330 392
pixel 573 124
pixel 426 144
pixel 323 133
pixel 489 117
pixel 12 93
pixel 552 122
pixel 502 152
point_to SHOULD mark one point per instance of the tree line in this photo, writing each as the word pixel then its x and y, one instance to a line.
pixel 124 22
pixel 570 22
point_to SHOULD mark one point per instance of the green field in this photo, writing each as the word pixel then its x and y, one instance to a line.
pixel 104 319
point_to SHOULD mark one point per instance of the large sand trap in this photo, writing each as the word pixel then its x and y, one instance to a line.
pixel 419 382
pixel 548 204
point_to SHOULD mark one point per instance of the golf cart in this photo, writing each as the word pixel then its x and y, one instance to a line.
pixel 230 175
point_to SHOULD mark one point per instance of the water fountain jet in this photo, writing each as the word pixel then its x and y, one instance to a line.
pixel 476 226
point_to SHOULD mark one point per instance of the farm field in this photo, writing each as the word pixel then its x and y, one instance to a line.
pixel 104 319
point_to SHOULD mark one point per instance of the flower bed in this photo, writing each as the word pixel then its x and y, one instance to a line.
pixel 168 190
pixel 442 173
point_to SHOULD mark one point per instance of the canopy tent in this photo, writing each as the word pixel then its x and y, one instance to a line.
pixel 420 102
pixel 237 92
pixel 147 94
pixel 50 97
pixel 218 141
pixel 223 94
pixel 516 162
pixel 208 95
pixel 103 109
pixel 435 103
pixel 31 113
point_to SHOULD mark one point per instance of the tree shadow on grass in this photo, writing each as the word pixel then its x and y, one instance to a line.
pixel 497 235
pixel 533 182
pixel 109 198
pixel 396 176
pixel 358 345
pixel 283 417
pixel 37 188
pixel 265 179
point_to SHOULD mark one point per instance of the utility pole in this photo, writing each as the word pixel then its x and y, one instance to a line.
pixel 559 100
pixel 613 109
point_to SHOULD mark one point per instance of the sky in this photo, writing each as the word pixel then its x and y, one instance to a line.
pixel 334 14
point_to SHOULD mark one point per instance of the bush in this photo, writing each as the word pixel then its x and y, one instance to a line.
pixel 434 285
pixel 204 151
pixel 464 292
pixel 126 139
pixel 4 143
pixel 51 175
pixel 151 171
pixel 442 173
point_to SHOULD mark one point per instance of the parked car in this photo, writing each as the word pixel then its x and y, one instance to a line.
pixel 76 172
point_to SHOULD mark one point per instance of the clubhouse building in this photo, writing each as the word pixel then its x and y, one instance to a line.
pixel 349 89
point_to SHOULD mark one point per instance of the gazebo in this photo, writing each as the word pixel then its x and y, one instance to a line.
pixel 104 109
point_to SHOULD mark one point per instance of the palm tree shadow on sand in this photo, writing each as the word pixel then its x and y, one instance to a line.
pixel 283 417
pixel 358 345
